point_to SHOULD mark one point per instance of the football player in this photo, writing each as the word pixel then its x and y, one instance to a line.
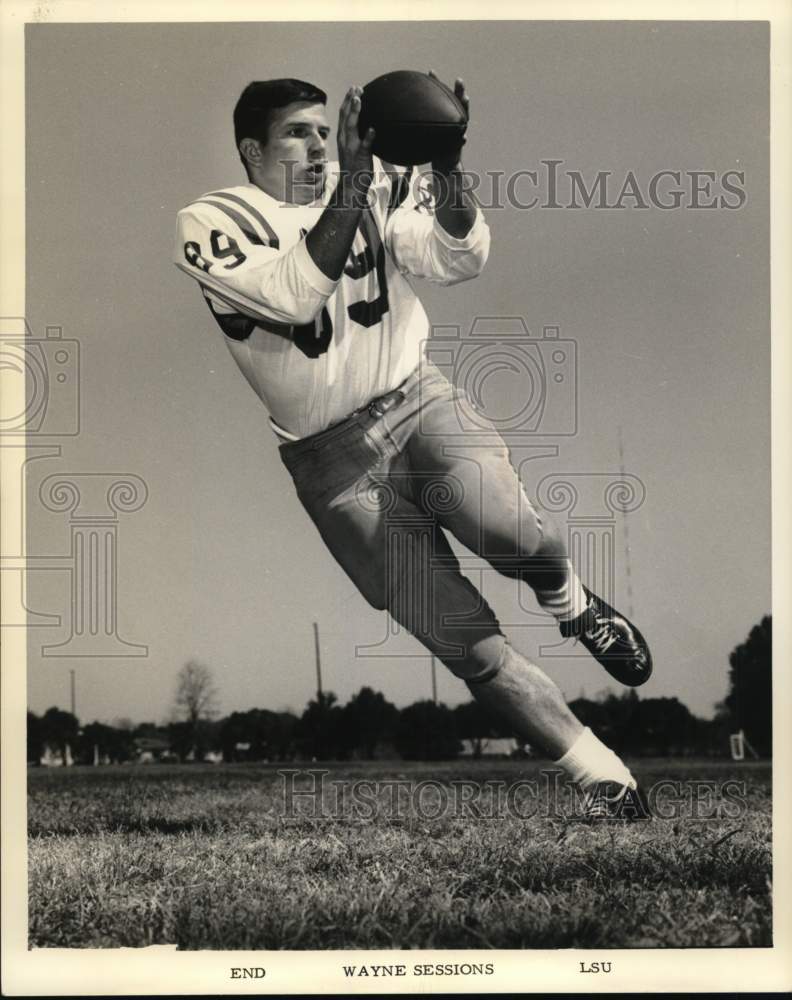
pixel 305 267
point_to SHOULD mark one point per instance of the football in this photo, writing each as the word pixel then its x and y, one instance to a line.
pixel 416 117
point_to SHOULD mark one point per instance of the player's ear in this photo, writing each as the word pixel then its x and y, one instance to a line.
pixel 251 151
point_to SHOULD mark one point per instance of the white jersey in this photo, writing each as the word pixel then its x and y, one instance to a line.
pixel 312 348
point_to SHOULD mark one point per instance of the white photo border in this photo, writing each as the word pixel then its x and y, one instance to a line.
pixel 163 970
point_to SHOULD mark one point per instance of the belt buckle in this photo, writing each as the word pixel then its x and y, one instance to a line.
pixel 380 406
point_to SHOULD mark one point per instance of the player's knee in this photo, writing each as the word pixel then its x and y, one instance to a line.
pixel 552 541
pixel 543 561
pixel 479 661
pixel 537 543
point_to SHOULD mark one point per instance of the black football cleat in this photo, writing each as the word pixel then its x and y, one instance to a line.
pixel 609 800
pixel 612 640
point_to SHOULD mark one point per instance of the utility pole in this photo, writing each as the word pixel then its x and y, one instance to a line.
pixel 434 681
pixel 628 567
pixel 319 700
pixel 73 693
pixel 318 663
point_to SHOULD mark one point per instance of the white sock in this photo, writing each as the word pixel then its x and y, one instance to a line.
pixel 566 603
pixel 588 761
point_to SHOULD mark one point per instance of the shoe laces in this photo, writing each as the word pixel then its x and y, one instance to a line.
pixel 598 803
pixel 602 635
pixel 598 809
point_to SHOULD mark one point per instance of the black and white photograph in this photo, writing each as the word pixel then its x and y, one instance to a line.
pixel 389 560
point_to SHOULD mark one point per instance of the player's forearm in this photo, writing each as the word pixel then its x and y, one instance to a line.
pixel 330 240
pixel 455 206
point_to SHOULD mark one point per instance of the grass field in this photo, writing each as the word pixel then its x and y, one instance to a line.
pixel 207 857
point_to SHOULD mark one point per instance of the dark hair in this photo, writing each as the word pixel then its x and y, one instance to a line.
pixel 253 111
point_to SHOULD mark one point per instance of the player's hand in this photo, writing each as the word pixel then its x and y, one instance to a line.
pixel 354 153
pixel 452 160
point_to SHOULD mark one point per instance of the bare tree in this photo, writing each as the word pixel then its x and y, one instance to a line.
pixel 196 698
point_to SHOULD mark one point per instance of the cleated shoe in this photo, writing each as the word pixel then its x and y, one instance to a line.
pixel 609 800
pixel 612 640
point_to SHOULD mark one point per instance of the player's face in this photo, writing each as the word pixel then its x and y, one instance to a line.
pixel 294 159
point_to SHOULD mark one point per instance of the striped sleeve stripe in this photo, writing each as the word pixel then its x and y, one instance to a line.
pixel 254 213
pixel 240 220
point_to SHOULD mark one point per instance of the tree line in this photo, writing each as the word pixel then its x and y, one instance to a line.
pixel 368 726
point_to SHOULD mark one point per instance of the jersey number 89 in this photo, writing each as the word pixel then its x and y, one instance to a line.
pixel 229 248
pixel 313 338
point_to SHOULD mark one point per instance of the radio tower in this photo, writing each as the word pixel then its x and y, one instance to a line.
pixel 627 563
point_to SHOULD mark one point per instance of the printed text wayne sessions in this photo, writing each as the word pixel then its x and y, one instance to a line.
pixel 445 969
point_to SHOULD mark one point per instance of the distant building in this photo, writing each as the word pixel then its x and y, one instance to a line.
pixel 51 756
pixel 495 746
pixel 151 749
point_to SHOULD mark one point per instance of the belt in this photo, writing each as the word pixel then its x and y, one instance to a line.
pixel 375 408
pixel 379 407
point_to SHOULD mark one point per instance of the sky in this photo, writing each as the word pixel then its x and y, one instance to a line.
pixel 668 311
